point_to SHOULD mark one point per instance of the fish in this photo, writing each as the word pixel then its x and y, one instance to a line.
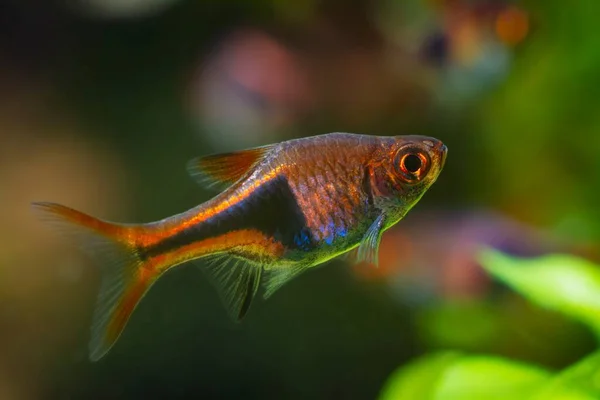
pixel 282 209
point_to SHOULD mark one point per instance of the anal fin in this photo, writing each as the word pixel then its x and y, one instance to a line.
pixel 237 282
pixel 277 277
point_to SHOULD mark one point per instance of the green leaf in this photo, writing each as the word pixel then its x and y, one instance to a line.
pixel 417 380
pixel 563 283
pixel 485 377
pixel 580 381
pixel 453 376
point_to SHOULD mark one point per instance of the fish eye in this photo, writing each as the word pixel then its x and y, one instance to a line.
pixel 412 165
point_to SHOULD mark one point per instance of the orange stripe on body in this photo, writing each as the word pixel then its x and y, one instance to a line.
pixel 147 237
pixel 227 203
pixel 250 242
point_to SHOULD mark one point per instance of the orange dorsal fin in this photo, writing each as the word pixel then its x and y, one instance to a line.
pixel 225 168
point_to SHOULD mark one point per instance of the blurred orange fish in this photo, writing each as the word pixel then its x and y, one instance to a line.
pixel 288 207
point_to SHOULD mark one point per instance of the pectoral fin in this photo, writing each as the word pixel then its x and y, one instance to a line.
pixel 368 250
pixel 227 168
pixel 350 256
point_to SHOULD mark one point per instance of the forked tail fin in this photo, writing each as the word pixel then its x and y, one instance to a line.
pixel 125 279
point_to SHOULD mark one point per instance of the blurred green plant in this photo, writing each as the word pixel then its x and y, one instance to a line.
pixel 563 283
pixel 451 375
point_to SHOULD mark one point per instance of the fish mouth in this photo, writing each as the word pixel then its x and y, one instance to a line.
pixel 443 151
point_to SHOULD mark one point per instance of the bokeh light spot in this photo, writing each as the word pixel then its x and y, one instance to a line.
pixel 512 26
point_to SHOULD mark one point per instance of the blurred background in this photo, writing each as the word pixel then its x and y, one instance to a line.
pixel 102 102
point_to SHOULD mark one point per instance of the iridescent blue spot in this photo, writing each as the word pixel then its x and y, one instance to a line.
pixel 302 239
pixel 330 229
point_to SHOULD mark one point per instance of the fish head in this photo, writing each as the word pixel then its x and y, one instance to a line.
pixel 402 170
